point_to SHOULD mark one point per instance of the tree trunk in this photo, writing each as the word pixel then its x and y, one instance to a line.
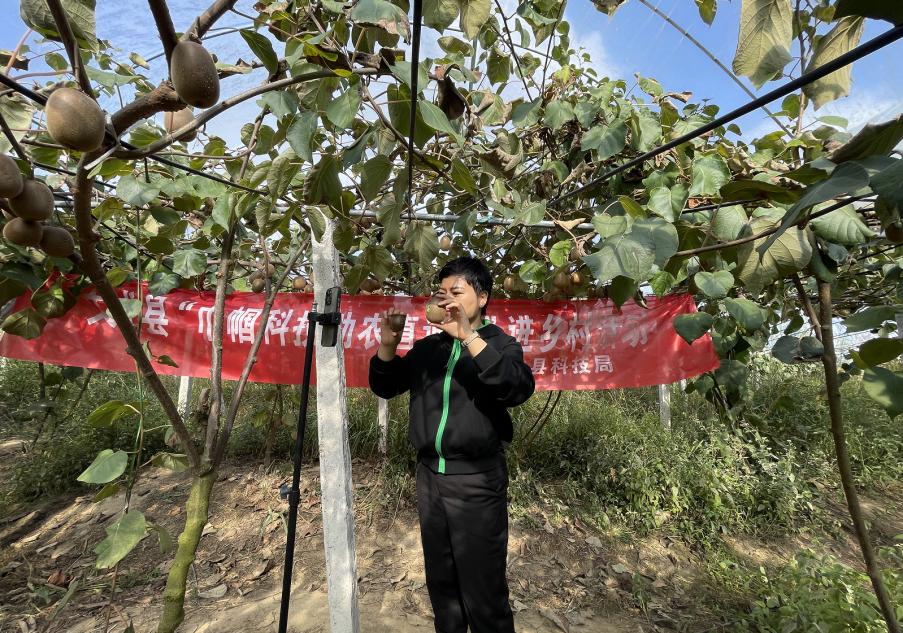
pixel 197 511
pixel 829 360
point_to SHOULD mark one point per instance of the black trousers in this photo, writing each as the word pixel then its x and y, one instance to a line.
pixel 464 531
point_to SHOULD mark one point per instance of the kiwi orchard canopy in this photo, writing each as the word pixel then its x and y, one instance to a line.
pixel 580 187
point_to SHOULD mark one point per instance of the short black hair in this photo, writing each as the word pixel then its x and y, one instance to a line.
pixel 474 271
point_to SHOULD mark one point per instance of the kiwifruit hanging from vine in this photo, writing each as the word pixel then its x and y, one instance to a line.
pixel 562 280
pixel 172 121
pixel 445 242
pixel 194 75
pixel 11 181
pixel 894 233
pixel 75 120
pixel 509 283
pixel 299 283
pixel 258 285
pixel 35 202
pixel 57 242
pixel 370 284
pixel 23 232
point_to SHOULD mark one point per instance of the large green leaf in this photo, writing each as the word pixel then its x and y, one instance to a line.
pixel 37 15
pixel 322 184
pixel 136 192
pixel 374 174
pixel 107 466
pixel 747 313
pixel 608 225
pixel 26 323
pixel 621 255
pixel 377 260
pixel 382 14
pixel 498 66
pixel 439 14
pixel 106 414
pixel 606 140
pixel 889 10
pixel 873 139
pixel 668 203
pixel 474 14
pixel 888 184
pixel 261 46
pixel 880 350
pixel 281 172
pixel 422 243
pixel 434 117
pixel 693 326
pixel 17 112
pixel 843 226
pixel 189 262
pixel 790 252
pixel 660 235
pixel 122 537
pixel 871 318
pixel 341 111
pixel 843 37
pixel 766 32
pixel 886 388
pixel 558 113
pixel 462 177
pixel 707 9
pixel 715 285
pixel 728 222
pixel 710 173
pixel 301 133
pixel 646 130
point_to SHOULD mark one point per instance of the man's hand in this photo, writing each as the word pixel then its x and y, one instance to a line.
pixel 388 338
pixel 458 325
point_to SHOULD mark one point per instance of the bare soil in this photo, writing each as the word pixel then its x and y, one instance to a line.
pixel 563 575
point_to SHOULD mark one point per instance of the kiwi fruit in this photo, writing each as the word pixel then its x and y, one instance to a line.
pixel 509 283
pixel 271 270
pixel 75 120
pixel 435 313
pixel 23 232
pixel 299 283
pixel 57 242
pixel 370 284
pixel 11 182
pixel 396 322
pixel 175 120
pixel 562 280
pixel 894 233
pixel 194 75
pixel 35 202
pixel 576 279
pixel 258 285
pixel 445 242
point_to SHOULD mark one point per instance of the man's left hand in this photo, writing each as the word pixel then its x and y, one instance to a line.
pixel 458 325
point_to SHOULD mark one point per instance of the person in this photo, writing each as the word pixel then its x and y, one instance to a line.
pixel 462 381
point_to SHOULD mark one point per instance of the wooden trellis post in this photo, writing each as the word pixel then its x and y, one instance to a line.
pixel 335 455
pixel 664 405
pixel 382 417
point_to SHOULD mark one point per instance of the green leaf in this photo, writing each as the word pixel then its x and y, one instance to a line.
pixel 107 491
pixel 378 261
pixel 715 285
pixel 710 174
pixel 558 113
pixel 26 323
pixel 17 112
pixel 106 414
pixel 402 70
pixel 886 388
pixel 746 313
pixel 261 46
pixel 533 272
pixel 382 14
pixel 668 203
pixel 422 243
pixel 606 140
pixel 621 289
pixel 301 133
pixel 498 66
pixel 791 252
pixel 136 192
pixel 341 111
pixel 647 130
pixel 122 537
pixel 531 213
pixel 175 462
pixel 189 262
pixel 728 222
pixel 434 117
pixel 107 466
pixel 439 14
pixel 842 226
pixel 871 318
pixel 527 113
pixel 162 283
pixel 880 350
pixel 166 544
pixel 374 174
pixel 875 9
pixel 37 15
pixel 888 184
pixel 693 326
pixel 624 255
pixel 322 184
pixel 474 14
pixel 791 350
pixel 280 174
pixel 609 225
pixel 453 45
pixel 732 373
pixel 842 38
pixel 661 236
pixel 873 139
pixel 462 177
pixel 559 253
pixel 766 32
pixel 280 102
pixel 707 9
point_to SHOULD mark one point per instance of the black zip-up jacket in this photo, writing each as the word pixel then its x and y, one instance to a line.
pixel 459 404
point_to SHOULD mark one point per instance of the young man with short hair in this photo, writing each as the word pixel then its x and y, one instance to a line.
pixel 462 381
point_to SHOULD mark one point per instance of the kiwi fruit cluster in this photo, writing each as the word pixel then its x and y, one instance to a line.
pixel 75 120
pixel 194 76
pixel 259 277
pixel 302 284
pixel 30 203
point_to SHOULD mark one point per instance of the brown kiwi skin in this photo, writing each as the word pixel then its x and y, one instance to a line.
pixel 194 75
pixel 34 203
pixel 397 321
pixel 74 120
pixel 434 313
pixel 172 121
pixel 23 232
pixel 894 233
pixel 11 181
pixel 57 242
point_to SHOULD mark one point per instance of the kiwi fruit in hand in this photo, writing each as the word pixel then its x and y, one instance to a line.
pixel 75 120
pixel 396 322
pixel 435 313
pixel 11 182
pixel 23 232
pixel 35 202
pixel 175 120
pixel 194 75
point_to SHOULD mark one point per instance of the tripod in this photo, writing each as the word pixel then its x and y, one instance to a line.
pixel 329 319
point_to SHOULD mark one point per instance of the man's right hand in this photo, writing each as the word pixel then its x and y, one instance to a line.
pixel 388 338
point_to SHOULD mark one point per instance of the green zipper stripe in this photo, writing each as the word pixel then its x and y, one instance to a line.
pixel 446 391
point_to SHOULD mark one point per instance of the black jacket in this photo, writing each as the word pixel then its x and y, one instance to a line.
pixel 458 412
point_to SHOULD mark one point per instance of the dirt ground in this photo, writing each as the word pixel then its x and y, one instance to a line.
pixel 563 575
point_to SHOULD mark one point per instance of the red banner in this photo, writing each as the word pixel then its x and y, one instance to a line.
pixel 569 345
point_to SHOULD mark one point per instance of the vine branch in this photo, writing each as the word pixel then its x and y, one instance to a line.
pixel 164 26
